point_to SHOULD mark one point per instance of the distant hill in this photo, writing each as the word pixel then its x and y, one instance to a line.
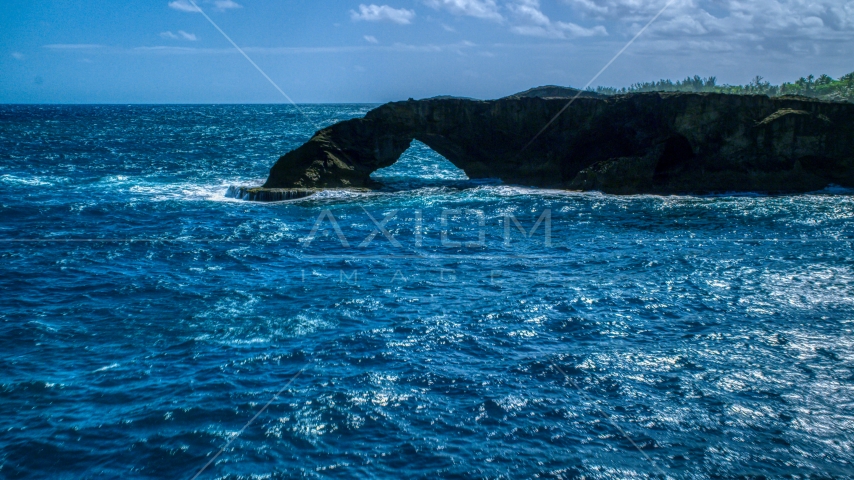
pixel 449 97
pixel 554 91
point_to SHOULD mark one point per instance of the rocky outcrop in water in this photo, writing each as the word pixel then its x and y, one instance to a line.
pixel 258 194
pixel 627 144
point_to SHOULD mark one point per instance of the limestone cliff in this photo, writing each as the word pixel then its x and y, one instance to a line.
pixel 636 143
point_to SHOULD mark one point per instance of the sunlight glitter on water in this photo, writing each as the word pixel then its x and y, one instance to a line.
pixel 715 331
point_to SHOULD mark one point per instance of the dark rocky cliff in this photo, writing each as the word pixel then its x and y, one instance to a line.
pixel 636 143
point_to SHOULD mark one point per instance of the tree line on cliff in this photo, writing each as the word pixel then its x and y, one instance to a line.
pixel 824 87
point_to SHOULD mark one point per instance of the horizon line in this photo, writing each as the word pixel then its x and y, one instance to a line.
pixel 155 104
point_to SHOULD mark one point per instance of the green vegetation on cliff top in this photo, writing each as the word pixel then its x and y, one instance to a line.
pixel 823 87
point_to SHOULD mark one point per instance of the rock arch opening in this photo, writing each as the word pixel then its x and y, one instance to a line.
pixel 677 153
pixel 419 166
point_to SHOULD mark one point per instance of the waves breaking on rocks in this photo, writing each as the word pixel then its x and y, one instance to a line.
pixel 257 194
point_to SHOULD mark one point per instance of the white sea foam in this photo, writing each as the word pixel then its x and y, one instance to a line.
pixel 33 181
pixel 108 367
pixel 181 191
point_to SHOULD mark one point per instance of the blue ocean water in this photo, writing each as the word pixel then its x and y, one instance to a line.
pixel 413 332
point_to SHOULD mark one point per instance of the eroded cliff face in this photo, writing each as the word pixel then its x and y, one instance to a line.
pixel 637 143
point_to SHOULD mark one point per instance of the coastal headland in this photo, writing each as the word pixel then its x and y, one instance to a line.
pixel 658 143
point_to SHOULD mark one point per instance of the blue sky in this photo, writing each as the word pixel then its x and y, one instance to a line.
pixel 161 51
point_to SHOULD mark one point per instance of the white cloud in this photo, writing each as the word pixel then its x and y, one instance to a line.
pixel 396 47
pixel 774 21
pixel 223 5
pixel 377 13
pixel 18 55
pixel 371 39
pixel 182 35
pixel 73 46
pixel 485 9
pixel 183 6
pixel 219 5
pixel 525 17
pixel 627 10
pixel 530 20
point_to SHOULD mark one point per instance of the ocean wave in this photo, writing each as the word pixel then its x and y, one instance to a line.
pixel 33 181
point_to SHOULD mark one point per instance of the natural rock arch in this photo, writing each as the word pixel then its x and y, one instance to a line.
pixel 651 142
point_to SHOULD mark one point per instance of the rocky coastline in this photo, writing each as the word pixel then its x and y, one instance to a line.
pixel 651 143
